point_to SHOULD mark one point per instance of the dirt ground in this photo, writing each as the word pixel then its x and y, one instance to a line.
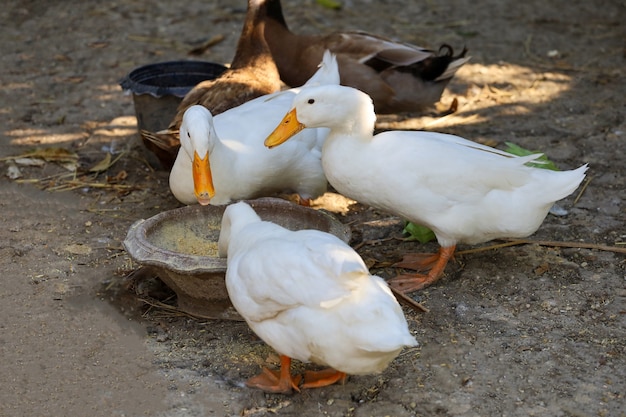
pixel 526 330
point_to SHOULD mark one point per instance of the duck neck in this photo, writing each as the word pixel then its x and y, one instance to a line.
pixel 342 141
pixel 252 49
pixel 286 46
pixel 274 11
pixel 360 123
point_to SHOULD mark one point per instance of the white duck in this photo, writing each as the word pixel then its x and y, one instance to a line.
pixel 310 297
pixel 465 192
pixel 222 158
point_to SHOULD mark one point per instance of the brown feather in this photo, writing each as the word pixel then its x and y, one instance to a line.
pixel 398 76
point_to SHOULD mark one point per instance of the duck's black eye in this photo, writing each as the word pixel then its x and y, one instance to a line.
pixel 188 135
pixel 311 101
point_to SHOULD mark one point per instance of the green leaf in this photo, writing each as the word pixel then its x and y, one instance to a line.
pixel 330 4
pixel 519 151
pixel 420 233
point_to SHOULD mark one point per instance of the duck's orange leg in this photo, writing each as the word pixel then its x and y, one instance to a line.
pixel 277 382
pixel 316 379
pixel 418 261
pixel 436 262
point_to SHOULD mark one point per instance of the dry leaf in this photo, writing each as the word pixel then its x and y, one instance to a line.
pixel 46 154
pixel 70 166
pixel 54 155
pixel 542 269
pixel 121 176
pixel 30 162
pixel 102 165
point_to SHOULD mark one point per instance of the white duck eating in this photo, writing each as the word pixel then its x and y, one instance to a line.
pixel 465 192
pixel 222 158
pixel 310 297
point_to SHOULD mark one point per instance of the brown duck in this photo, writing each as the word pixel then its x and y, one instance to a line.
pixel 399 77
pixel 251 74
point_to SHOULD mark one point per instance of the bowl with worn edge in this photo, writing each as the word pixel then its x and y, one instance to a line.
pixel 180 246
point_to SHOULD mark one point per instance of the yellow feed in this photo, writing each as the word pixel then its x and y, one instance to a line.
pixel 178 238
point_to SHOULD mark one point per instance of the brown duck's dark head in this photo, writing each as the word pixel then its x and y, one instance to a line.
pixel 274 11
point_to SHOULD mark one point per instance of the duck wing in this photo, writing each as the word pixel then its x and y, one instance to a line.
pixel 294 269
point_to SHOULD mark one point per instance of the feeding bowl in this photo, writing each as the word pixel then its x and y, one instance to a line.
pixel 181 246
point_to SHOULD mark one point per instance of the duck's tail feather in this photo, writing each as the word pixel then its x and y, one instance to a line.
pixel 163 144
pixel 327 72
pixel 568 181
pixel 453 62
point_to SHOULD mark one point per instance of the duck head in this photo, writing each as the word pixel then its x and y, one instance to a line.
pixel 343 109
pixel 196 132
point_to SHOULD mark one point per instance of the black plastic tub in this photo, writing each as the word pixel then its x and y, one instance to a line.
pixel 159 88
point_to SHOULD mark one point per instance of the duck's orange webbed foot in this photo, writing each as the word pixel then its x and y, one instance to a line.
pixel 406 283
pixel 418 261
pixel 279 382
pixel 435 262
pixel 325 377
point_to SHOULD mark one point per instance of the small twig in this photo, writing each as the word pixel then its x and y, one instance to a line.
pixel 98 170
pixel 499 92
pixel 554 243
pixel 59 176
pixel 72 185
pixel 373 242
pixel 163 306
pixel 486 248
pixel 582 190
pixel 200 49
pixel 527 48
pixel 405 299
pixel 411 350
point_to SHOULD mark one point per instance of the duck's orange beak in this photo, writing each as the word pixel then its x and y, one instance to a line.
pixel 288 127
pixel 202 179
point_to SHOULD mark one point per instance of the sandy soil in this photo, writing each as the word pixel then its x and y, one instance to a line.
pixel 517 331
